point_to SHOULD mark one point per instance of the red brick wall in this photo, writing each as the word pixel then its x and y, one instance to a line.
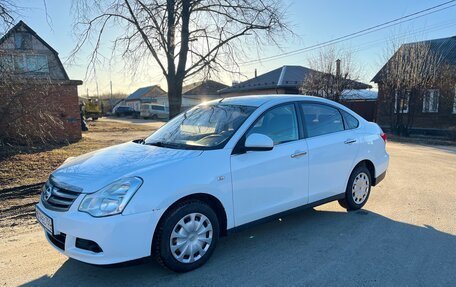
pixel 39 112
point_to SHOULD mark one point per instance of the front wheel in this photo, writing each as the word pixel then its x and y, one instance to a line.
pixel 358 189
pixel 186 237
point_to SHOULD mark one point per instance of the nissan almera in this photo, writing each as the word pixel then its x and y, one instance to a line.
pixel 216 168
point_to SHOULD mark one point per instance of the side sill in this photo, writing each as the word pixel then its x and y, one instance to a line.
pixel 284 213
pixel 379 178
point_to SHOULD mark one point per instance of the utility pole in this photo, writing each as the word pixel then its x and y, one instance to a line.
pixel 337 95
pixel 110 84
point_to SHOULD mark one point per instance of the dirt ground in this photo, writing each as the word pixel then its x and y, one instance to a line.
pixel 405 235
pixel 22 173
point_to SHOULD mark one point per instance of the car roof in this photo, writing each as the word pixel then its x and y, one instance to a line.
pixel 258 100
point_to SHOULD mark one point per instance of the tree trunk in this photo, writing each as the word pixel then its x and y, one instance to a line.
pixel 174 96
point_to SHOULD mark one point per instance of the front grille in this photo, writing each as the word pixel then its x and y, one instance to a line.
pixel 58 240
pixel 57 198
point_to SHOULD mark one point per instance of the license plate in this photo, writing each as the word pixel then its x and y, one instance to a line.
pixel 44 220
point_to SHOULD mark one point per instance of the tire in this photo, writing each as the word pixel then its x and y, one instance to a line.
pixel 154 117
pixel 174 252
pixel 358 189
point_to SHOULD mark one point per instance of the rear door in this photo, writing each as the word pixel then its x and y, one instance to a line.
pixel 269 182
pixel 332 150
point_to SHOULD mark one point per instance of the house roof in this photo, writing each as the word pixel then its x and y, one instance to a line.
pixel 21 24
pixel 291 77
pixel 359 95
pixel 443 47
pixel 203 89
pixel 141 92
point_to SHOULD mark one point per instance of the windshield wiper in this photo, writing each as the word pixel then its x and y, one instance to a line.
pixel 159 144
pixel 168 145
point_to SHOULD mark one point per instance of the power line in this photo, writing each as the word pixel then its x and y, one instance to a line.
pixel 362 32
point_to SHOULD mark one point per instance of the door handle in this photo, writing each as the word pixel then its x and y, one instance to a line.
pixel 298 154
pixel 349 141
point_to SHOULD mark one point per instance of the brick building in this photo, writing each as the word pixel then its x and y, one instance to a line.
pixel 150 94
pixel 38 101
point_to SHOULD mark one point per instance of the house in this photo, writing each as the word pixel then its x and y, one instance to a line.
pixel 363 102
pixel 289 80
pixel 198 92
pixel 150 94
pixel 108 104
pixel 38 101
pixel 433 110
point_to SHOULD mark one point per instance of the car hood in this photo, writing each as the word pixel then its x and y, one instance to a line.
pixel 90 172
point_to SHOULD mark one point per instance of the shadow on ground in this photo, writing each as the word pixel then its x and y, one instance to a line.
pixel 308 248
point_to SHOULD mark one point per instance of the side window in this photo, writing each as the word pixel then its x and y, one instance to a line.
pixel 279 124
pixel 321 119
pixel 350 121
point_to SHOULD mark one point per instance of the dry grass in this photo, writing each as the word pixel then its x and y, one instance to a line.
pixel 19 167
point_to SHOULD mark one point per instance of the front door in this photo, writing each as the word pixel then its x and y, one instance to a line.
pixel 268 182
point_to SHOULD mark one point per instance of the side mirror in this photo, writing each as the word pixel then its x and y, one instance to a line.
pixel 258 142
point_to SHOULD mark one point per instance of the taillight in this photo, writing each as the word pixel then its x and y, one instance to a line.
pixel 384 137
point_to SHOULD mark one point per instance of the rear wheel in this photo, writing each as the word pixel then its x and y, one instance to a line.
pixel 187 236
pixel 358 189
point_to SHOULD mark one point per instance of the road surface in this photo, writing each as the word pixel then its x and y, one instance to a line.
pixel 405 236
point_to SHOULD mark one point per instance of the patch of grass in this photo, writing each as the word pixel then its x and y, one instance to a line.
pixel 21 166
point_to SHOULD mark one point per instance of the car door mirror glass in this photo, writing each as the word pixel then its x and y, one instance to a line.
pixel 258 142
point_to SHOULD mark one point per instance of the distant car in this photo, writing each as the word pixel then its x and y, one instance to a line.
pixel 210 171
pixel 124 111
pixel 154 111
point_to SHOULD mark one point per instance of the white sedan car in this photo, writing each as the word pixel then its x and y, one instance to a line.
pixel 209 171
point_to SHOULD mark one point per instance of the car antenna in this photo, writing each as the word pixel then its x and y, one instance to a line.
pixel 221 100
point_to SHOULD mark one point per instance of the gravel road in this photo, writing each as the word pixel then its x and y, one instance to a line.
pixel 405 236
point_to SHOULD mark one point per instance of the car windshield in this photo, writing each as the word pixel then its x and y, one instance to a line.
pixel 203 127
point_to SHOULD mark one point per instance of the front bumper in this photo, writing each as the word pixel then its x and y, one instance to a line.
pixel 120 237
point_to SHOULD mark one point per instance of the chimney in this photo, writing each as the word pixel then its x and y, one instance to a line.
pixel 338 68
pixel 255 72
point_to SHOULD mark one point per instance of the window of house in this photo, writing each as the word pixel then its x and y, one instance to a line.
pixel 431 101
pixel 37 64
pixel 401 102
pixel 23 40
pixel 280 124
pixel 454 101
pixel 19 64
pixel 24 63
pixel 321 119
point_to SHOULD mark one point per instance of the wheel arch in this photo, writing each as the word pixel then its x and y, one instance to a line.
pixel 209 199
pixel 370 166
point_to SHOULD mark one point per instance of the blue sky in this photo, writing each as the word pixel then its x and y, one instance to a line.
pixel 313 21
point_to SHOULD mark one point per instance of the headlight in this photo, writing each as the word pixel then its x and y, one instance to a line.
pixel 112 198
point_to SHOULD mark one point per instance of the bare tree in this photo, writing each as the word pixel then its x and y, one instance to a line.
pixel 330 80
pixel 183 38
pixel 404 79
pixel 8 11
